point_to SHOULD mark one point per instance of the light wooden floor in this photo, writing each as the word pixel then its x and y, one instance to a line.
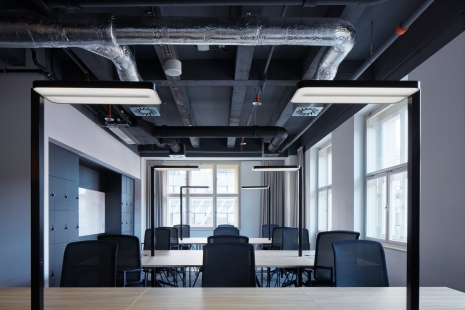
pixel 231 298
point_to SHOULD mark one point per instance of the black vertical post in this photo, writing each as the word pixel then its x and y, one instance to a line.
pixel 269 213
pixel 413 190
pixel 152 212
pixel 300 211
pixel 180 207
pixel 37 201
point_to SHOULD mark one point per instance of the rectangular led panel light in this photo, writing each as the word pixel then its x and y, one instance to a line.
pixel 276 168
pixel 352 95
pixel 132 96
pixel 170 168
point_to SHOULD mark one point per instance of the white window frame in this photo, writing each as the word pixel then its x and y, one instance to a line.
pixel 326 188
pixel 385 172
pixel 188 194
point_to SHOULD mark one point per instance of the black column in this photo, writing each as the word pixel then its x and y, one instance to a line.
pixel 37 201
pixel 413 190
pixel 152 212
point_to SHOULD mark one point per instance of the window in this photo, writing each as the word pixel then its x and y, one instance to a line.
pixel 386 179
pixel 325 196
pixel 205 208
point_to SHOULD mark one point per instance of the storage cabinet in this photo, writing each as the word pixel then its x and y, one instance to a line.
pixel 119 204
pixel 63 206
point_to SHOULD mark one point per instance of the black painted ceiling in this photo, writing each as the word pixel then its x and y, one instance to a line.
pixel 213 71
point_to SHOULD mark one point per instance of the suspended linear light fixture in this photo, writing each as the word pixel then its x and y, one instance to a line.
pixel 98 92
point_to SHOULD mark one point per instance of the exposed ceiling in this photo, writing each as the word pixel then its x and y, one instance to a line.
pixel 217 87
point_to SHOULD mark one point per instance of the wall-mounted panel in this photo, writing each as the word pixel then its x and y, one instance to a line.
pixel 91 212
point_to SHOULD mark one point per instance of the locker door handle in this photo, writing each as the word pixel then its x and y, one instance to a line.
pixel 53 228
pixel 66 227
pixel 66 195
pixel 77 225
pixel 53 274
pixel 53 194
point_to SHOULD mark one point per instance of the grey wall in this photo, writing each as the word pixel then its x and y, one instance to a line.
pixel 442 238
pixel 15 171
pixel 250 200
pixel 343 176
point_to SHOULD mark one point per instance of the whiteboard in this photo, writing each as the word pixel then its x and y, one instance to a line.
pixel 91 212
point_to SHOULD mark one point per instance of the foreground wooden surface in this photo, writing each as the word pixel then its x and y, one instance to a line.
pixel 232 298
pixel 284 259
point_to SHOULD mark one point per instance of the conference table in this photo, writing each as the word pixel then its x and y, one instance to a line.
pixel 203 240
pixel 373 298
pixel 263 259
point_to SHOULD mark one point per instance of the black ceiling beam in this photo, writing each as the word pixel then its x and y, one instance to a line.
pixel 220 83
pixel 76 4
pixel 437 26
pixel 441 22
pixel 244 56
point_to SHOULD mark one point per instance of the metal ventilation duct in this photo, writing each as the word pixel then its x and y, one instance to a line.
pixel 108 36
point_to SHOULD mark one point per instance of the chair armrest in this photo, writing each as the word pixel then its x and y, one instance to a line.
pixel 331 272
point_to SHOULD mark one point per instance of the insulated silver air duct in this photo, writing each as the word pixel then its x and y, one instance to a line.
pixel 107 36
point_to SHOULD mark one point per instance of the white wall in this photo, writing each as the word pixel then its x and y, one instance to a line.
pixel 15 178
pixel 250 200
pixel 442 238
pixel 343 176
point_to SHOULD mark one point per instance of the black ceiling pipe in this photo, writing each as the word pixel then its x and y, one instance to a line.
pixel 77 4
pixel 172 143
pixel 277 134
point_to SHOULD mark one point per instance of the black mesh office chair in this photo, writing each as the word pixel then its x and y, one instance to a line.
pixel 277 238
pixel 323 270
pixel 226 225
pixel 291 242
pixel 174 241
pixel 89 264
pixel 227 238
pixel 228 264
pixel 162 242
pixel 233 231
pixel 162 239
pixel 128 264
pixel 186 233
pixel 186 230
pixel 290 239
pixel 265 230
pixel 360 263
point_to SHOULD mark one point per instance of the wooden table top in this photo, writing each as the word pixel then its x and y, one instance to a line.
pixel 328 298
pixel 194 258
pixel 203 240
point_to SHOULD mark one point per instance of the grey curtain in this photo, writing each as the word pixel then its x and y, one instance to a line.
pixel 301 163
pixel 160 188
pixel 275 179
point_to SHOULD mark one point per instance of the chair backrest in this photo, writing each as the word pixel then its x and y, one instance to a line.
pixel 186 230
pixel 324 255
pixel 230 264
pixel 359 263
pixel 174 241
pixel 265 230
pixel 233 231
pixel 89 264
pixel 227 238
pixel 291 239
pixel 128 257
pixel 162 239
pixel 226 225
pixel 277 238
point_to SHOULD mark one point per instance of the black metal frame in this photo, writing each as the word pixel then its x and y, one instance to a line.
pixel 413 170
pixel 180 202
